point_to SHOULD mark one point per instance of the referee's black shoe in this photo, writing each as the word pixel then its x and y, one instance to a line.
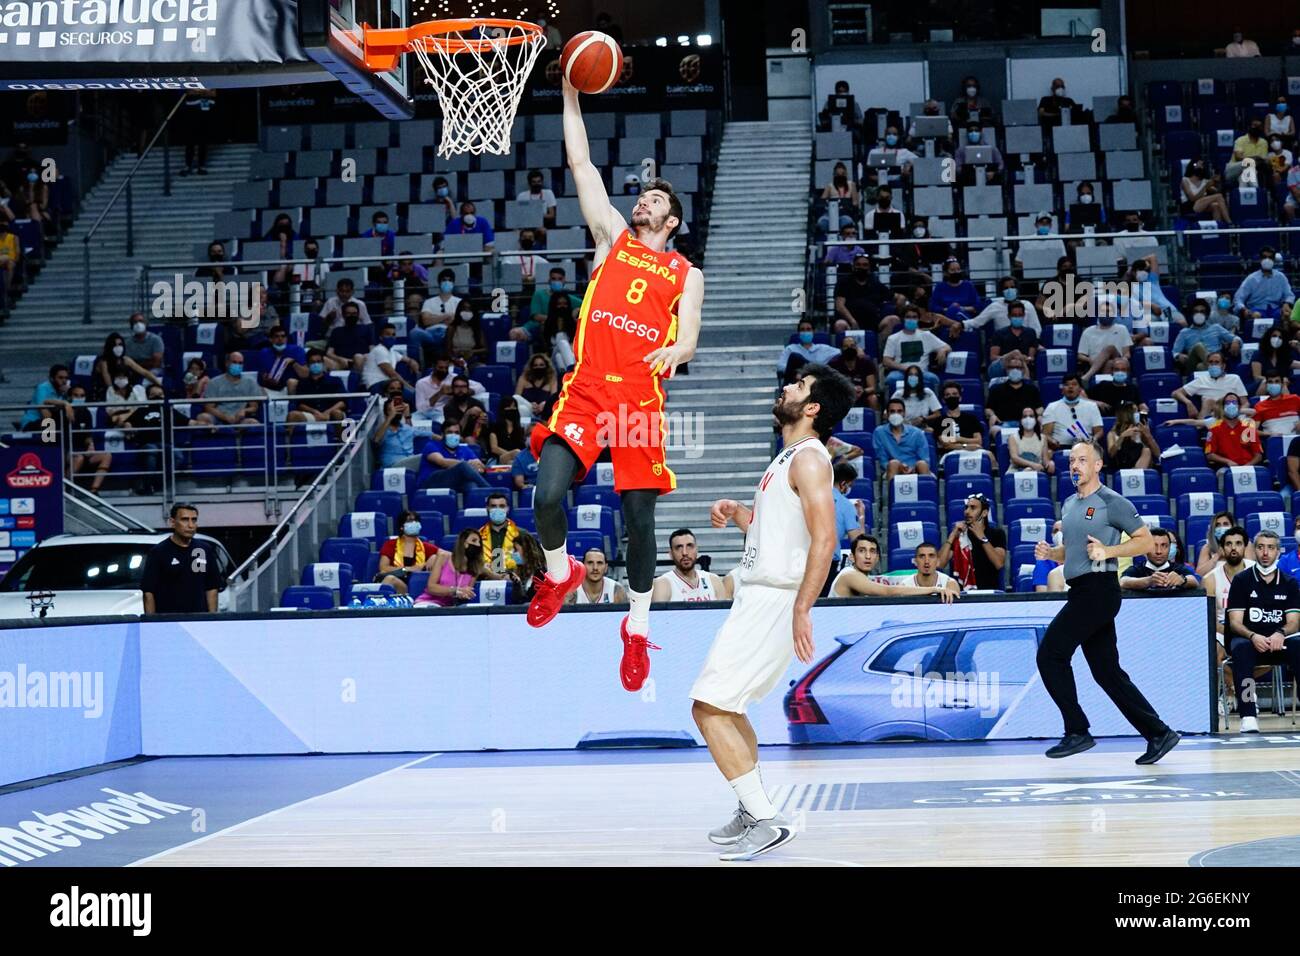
pixel 1072 744
pixel 1160 746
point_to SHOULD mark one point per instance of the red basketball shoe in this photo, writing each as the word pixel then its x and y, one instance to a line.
pixel 635 666
pixel 548 595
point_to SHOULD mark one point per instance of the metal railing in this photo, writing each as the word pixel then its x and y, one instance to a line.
pixel 177 448
pixel 130 211
pixel 256 584
pixel 1178 270
pixel 492 261
pixel 91 514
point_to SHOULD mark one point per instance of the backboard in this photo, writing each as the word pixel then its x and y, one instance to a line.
pixel 330 31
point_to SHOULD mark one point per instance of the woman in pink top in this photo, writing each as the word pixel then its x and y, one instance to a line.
pixel 454 572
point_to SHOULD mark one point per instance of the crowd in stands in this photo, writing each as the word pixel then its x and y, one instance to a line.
pixel 33 206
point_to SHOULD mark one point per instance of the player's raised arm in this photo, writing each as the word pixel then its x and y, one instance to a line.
pixel 604 221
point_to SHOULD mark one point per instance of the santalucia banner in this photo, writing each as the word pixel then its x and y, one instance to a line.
pixel 55 38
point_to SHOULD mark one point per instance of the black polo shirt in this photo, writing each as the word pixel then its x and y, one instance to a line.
pixel 1265 605
pixel 1146 570
pixel 179 578
pixel 864 300
pixel 325 385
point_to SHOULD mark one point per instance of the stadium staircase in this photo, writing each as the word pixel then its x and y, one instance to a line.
pixel 46 325
pixel 757 248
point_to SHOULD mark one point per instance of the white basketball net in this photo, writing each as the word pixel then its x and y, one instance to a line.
pixel 479 88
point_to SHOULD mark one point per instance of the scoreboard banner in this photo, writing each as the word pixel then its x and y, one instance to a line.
pixel 31 499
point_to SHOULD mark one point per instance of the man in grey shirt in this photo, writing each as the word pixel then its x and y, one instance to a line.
pixel 233 385
pixel 143 347
pixel 1092 522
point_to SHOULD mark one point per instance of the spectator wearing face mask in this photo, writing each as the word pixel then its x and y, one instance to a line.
pixel 845 190
pixel 958 430
pixel 113 362
pixel 531 265
pixel 506 437
pixel 1292 200
pixel 920 404
pixel 1101 344
pixel 851 118
pixel 1240 46
pixel 1278 413
pixel 900 448
pixel 405 554
pixel 956 296
pixel 1160 574
pixel 310 276
pixel 1026 446
pixel 971 106
pixel 314 394
pixel 841 257
pixel 1051 106
pixel 1221 312
pixel 860 298
pixel 196 378
pixel 996 311
pixel 855 365
pixel 892 151
pixel 500 535
pixel 912 346
pixel 537 192
pixel 465 339
pixel 1234 440
pixel 917 257
pixel 1266 292
pixel 1136 241
pixel 1007 397
pixel 1085 210
pixel 332 313
pixel 218 269
pixel 1072 417
pixel 236 389
pixel 382 364
pixel 1130 443
pixel 435 314
pixel 1279 157
pixel 379 229
pixel 942 144
pixel 540 304
pixel 1015 340
pixel 448 463
pixel 1194 344
pixel 285 364
pixel 441 195
pixel 1275 356
pixel 413 276
pixel 84 451
pixel 1251 145
pixel 470 222
pixel 972 137
pixel 350 342
pixel 883 206
pixel 143 347
pixel 1212 385
pixel 803 352
pixel 1119 389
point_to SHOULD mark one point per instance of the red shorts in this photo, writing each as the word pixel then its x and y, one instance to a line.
pixel 591 414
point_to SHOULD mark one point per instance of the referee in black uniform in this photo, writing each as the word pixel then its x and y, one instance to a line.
pixel 181 574
pixel 1092 522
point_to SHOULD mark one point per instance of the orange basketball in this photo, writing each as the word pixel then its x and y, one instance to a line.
pixel 591 61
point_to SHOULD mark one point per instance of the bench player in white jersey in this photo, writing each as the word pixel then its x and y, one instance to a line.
pixel 859 580
pixel 686 582
pixel 1217 583
pixel 789 543
pixel 928 575
pixel 597 586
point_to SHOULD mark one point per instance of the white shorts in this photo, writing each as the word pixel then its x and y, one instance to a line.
pixel 751 651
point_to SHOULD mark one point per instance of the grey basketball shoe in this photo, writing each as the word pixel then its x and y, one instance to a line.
pixel 731 831
pixel 760 837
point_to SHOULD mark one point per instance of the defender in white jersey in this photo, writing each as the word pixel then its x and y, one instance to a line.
pixel 597 586
pixel 789 544
pixel 686 582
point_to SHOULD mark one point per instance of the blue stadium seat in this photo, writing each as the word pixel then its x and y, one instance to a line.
pixel 908 535
pixel 863 488
pixel 1050 362
pixel 1026 532
pixel 1279 522
pixel 1184 435
pixel 477 497
pixel 367 525
pixel 1190 458
pixel 596 495
pixel 1185 480
pixel 1251 243
pixel 393 479
pixel 526 519
pixel 857 420
pixel 1164 93
pixel 433 524
pixel 386 502
pixel 909 489
pixel 307 598
pixel 1203 243
pixel 596 518
pixel 860 438
pixel 416 583
pixel 372 566
pixel 960 487
pixel 1244 479
pixel 1193 531
pixel 1020 508
pixel 1255 502
pixel 336 577
pixel 1199 504
pixel 965 463
pixel 448 542
pixel 1275 449
pixel 1158 385
pixel 1019 485
pixel 434 499
pixel 580 542
pixel 499 379
pixel 1136 482
pixel 1152 358
pixel 1151 504
pixel 924 511
pixel 495 328
pixel 468 518
pixel 353 552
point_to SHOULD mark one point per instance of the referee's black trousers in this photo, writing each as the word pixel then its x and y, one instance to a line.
pixel 1088 620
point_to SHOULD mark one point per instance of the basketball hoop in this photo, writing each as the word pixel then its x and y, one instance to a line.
pixel 477 67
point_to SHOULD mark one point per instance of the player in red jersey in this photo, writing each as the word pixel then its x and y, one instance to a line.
pixel 639 320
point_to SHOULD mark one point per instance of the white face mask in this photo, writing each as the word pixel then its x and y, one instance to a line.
pixel 119 383
pixel 1276 342
pixel 919 232
pixel 895 419
pixel 1029 423
pixel 971 91
pixel 1276 145
pixel 1058 538
pixel 119 350
pixel 138 328
pixel 1086 199
pixel 1265 569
